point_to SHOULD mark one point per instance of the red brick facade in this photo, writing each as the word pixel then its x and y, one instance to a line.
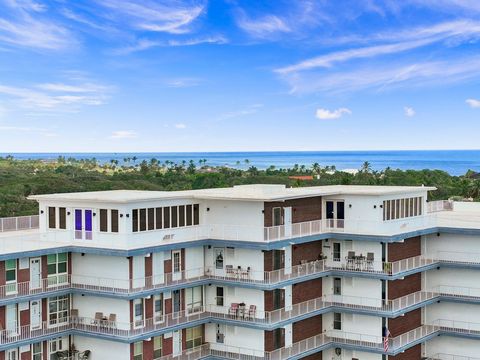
pixel 307 328
pixel 409 285
pixel 409 248
pixel 306 290
pixel 403 324
pixel 306 209
pixel 307 252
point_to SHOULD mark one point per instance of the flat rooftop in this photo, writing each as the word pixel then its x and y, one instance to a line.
pixel 255 192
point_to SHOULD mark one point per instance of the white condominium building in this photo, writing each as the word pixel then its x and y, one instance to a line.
pixel 249 272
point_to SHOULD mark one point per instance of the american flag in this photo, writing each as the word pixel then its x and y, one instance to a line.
pixel 386 334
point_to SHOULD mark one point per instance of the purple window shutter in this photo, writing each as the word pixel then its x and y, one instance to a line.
pixel 88 220
pixel 78 219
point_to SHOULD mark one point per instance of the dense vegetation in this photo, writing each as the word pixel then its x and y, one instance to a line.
pixel 21 178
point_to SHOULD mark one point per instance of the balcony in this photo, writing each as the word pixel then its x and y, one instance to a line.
pixel 19 223
pixel 451 357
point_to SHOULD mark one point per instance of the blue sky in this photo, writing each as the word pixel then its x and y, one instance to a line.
pixel 231 75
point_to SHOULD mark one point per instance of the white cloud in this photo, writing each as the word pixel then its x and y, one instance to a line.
pixel 124 134
pixel 145 44
pixel 180 126
pixel 56 96
pixel 249 110
pixel 460 31
pixel 183 82
pixel 381 77
pixel 324 114
pixel 409 111
pixel 166 16
pixel 262 27
pixel 473 103
pixel 25 25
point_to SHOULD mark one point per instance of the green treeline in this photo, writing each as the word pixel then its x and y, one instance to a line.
pixel 21 178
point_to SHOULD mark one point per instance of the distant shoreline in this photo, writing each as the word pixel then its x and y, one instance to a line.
pixel 455 162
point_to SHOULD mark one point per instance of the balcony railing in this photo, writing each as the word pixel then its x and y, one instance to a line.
pixel 19 223
pixel 439 205
pixel 451 357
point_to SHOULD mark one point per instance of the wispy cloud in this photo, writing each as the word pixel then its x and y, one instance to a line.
pixel 474 103
pixel 174 17
pixel 24 25
pixel 183 82
pixel 325 114
pixel 263 26
pixel 459 31
pixel 145 44
pixel 249 110
pixel 124 134
pixel 180 126
pixel 56 96
pixel 384 76
pixel 409 111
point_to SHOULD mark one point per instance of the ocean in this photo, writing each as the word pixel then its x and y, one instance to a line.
pixel 455 162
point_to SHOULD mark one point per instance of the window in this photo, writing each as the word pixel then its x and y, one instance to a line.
pixel 174 213
pixel 402 208
pixel 58 309
pixel 37 351
pixel 12 354
pixel 151 219
pixel 157 346
pixel 57 268
pixel 51 218
pixel 62 212
pixel 138 350
pixel 189 215
pixel 181 215
pixel 158 218
pixel 143 219
pixel 177 264
pixel 166 217
pixel 158 307
pixel 138 312
pixel 194 337
pixel 58 344
pixel 196 214
pixel 103 220
pixel 135 220
pixel 219 258
pixel 219 296
pixel 337 286
pixel 114 220
pixel 11 270
pixel 336 252
pixel 194 299
pixel 337 321
pixel 276 216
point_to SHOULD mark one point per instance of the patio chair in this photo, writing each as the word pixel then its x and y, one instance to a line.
pixel 370 259
pixel 61 355
pixel 252 312
pixel 233 309
pixel 84 355
pixel 98 318
pixel 229 270
pixel 351 259
pixel 112 321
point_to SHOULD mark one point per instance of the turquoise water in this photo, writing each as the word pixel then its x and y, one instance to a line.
pixel 455 162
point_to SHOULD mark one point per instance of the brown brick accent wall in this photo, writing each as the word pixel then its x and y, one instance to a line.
pixel 403 324
pixel 26 356
pixel 409 248
pixel 269 259
pixel 414 353
pixel 409 285
pixel 306 209
pixel 167 348
pixel 148 271
pixel 25 317
pixel 23 275
pixel 269 304
pixel 317 356
pixel 307 328
pixel 309 251
pixel 2 273
pixel 149 308
pixel 306 290
pixel 148 349
pixel 3 317
pixel 270 342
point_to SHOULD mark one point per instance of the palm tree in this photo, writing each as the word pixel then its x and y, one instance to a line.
pixel 366 167
pixel 316 168
pixel 247 161
pixel 134 159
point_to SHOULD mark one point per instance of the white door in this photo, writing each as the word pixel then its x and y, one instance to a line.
pixel 138 275
pixel 287 214
pixel 12 318
pixel 158 268
pixel 35 314
pixel 12 354
pixel 176 265
pixel 177 342
pixel 35 275
pixel 219 261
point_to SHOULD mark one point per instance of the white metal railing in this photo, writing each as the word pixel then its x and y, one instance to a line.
pixel 19 223
pixel 439 205
pixel 451 357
